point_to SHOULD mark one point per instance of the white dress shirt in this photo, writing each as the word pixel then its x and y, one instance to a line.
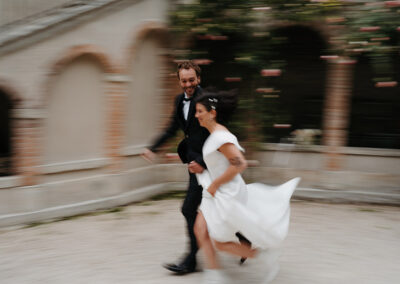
pixel 186 105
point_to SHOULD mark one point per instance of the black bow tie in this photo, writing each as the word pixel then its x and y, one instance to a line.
pixel 187 99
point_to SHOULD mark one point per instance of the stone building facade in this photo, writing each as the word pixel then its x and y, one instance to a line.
pixel 85 85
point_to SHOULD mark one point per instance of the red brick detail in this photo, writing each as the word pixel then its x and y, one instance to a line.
pixel 336 110
pixel 26 149
pixel 84 50
pixel 334 161
pixel 116 98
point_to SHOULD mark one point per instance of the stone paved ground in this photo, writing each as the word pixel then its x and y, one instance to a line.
pixel 327 243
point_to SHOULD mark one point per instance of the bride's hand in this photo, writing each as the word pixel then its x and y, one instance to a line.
pixel 212 189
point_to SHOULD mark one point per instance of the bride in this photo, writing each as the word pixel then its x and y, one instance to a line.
pixel 258 212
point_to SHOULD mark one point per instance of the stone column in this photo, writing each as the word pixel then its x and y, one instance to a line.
pixel 336 110
pixel 116 98
pixel 26 133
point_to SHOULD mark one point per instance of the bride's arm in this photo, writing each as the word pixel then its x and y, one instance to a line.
pixel 237 165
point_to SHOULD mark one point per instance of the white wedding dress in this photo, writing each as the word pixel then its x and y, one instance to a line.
pixel 259 212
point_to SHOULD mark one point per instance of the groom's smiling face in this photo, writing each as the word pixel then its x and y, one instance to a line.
pixel 188 81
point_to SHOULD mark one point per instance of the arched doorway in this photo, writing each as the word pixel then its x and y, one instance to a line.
pixel 375 108
pixel 147 67
pixel 295 97
pixel 74 129
pixel 5 134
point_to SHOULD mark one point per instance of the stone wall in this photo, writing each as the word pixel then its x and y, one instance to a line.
pixel 78 122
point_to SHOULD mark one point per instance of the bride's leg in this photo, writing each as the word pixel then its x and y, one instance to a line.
pixel 204 242
pixel 242 250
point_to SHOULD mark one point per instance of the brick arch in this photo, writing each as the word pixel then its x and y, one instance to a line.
pixel 77 51
pixel 319 35
pixel 70 55
pixel 153 30
pixel 302 82
pixel 157 35
pixel 324 31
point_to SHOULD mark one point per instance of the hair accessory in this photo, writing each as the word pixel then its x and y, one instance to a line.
pixel 213 102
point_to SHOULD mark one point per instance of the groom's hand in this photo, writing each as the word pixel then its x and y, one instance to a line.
pixel 148 155
pixel 195 168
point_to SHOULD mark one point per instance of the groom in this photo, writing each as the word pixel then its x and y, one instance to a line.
pixel 190 152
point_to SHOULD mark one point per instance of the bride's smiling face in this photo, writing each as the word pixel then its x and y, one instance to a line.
pixel 204 116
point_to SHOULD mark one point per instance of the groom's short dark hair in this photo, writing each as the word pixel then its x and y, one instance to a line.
pixel 188 64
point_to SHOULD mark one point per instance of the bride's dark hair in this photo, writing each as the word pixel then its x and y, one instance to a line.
pixel 223 102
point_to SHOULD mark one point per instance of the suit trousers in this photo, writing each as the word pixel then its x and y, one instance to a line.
pixel 189 211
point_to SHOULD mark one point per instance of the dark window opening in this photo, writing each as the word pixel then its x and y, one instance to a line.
pixel 5 134
pixel 297 101
pixel 375 111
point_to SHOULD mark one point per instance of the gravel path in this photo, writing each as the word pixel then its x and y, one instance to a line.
pixel 327 243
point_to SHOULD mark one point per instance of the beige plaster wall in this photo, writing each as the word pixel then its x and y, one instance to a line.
pixel 14 10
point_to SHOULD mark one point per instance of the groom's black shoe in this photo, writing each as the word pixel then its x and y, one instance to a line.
pixel 181 269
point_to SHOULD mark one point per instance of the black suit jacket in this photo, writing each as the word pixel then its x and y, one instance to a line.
pixel 190 148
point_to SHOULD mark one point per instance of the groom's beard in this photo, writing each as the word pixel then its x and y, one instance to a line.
pixel 190 90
